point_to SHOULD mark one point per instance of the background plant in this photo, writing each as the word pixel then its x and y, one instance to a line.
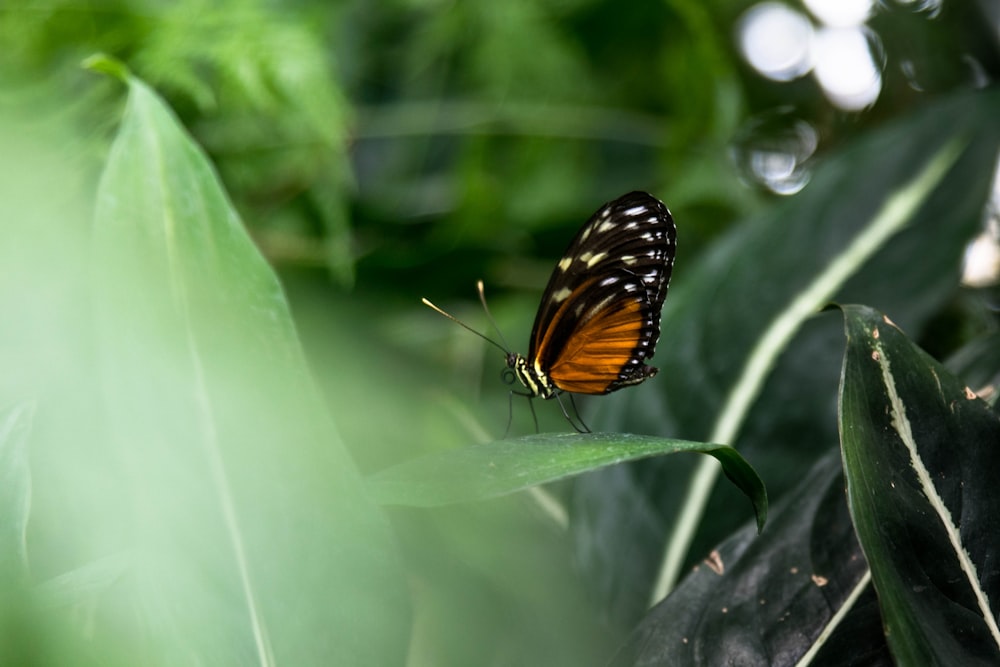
pixel 381 154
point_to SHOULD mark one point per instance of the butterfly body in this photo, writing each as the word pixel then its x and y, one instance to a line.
pixel 599 318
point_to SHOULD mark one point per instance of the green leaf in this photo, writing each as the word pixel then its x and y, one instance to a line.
pixel 83 588
pixel 920 454
pixel 505 466
pixel 15 491
pixel 798 590
pixel 252 538
pixel 743 358
pixel 105 64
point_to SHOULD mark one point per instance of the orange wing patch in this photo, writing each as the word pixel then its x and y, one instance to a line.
pixel 599 350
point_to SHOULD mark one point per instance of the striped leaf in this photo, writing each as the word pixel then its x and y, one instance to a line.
pixel 921 451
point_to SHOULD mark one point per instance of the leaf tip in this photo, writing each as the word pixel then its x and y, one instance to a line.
pixel 761 513
pixel 105 64
pixel 832 305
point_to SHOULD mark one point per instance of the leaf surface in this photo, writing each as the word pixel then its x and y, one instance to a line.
pixel 773 599
pixel 251 538
pixel 15 492
pixel 920 454
pixel 506 466
pixel 744 359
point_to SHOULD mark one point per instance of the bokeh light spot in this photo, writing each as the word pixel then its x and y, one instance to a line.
pixel 776 41
pixel 846 69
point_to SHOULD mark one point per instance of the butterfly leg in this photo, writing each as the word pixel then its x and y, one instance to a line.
pixel 510 410
pixel 586 429
pixel 510 414
pixel 572 423
pixel 531 404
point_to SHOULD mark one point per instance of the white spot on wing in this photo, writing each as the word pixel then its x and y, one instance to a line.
pixel 605 226
pixel 593 259
pixel 636 210
pixel 561 295
pixel 564 263
pixel 597 308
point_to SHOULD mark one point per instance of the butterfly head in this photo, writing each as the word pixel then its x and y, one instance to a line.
pixel 531 378
pixel 517 368
pixel 514 361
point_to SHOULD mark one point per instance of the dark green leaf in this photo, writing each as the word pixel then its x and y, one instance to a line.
pixel 771 600
pixel 921 454
pixel 737 332
pixel 505 466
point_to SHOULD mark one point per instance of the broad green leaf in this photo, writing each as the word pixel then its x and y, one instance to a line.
pixel 920 454
pixel 251 537
pixel 784 597
pixel 15 492
pixel 83 587
pixel 506 466
pixel 46 202
pixel 743 359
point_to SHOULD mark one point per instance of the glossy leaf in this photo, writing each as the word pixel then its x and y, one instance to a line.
pixel 773 599
pixel 920 454
pixel 506 466
pixel 251 538
pixel 744 360
pixel 802 592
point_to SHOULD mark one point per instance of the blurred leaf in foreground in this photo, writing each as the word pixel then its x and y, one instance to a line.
pixel 249 536
pixel 15 491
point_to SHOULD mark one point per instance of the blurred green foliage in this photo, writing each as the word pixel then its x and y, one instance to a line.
pixel 381 152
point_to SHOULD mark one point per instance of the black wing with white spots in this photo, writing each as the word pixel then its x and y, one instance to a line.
pixel 601 307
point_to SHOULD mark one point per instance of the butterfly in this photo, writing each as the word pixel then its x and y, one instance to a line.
pixel 599 318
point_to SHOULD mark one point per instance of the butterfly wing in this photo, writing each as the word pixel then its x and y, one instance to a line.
pixel 600 313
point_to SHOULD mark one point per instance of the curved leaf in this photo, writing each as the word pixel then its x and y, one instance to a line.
pixel 506 466
pixel 921 454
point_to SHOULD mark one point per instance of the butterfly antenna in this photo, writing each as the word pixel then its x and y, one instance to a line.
pixel 464 325
pixel 489 315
